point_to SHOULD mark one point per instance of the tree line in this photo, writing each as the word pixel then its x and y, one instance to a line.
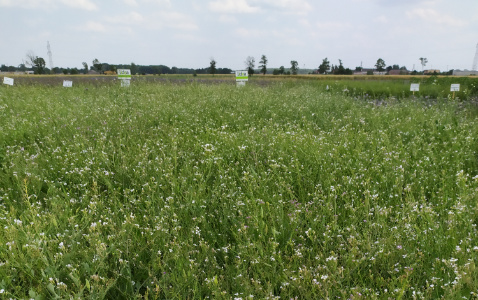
pixel 38 66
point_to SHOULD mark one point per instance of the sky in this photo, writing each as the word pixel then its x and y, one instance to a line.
pixel 189 33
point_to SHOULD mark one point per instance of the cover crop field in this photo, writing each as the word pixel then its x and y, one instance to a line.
pixel 192 191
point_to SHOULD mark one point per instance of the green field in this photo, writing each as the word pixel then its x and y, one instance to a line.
pixel 193 191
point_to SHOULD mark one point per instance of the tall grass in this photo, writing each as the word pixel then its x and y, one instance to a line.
pixel 209 191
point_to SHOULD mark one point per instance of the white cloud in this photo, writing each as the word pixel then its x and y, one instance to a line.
pixel 26 3
pixel 381 19
pixel 432 16
pixel 81 4
pixel 287 6
pixel 93 26
pixel 131 18
pixel 131 2
pixel 48 4
pixel 227 19
pixel 159 2
pixel 178 21
pixel 232 6
pixel 251 33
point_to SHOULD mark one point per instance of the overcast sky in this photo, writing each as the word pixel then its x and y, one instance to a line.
pixel 187 33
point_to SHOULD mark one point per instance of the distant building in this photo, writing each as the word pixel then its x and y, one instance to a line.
pixel 465 73
pixel 398 72
pixel 92 72
pixel 431 71
pixel 364 71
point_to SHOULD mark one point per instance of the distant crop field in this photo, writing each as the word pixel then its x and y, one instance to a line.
pixel 274 190
pixel 371 87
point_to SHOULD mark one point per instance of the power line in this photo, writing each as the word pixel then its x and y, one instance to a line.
pixel 50 55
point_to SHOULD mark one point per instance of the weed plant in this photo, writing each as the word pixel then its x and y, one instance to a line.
pixel 199 191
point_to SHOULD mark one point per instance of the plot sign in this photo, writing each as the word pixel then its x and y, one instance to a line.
pixel 125 76
pixel 455 87
pixel 8 81
pixel 124 73
pixel 242 76
pixel 67 83
pixel 125 82
pixel 415 87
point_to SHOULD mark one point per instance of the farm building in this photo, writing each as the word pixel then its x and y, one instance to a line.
pixel 431 71
pixel 465 73
pixel 398 72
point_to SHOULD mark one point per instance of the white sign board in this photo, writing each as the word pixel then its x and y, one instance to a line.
pixel 455 87
pixel 242 76
pixel 125 82
pixel 415 87
pixel 8 81
pixel 124 73
pixel 67 83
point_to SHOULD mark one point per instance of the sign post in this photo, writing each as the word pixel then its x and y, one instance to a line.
pixel 8 81
pixel 241 78
pixel 455 88
pixel 125 76
pixel 414 87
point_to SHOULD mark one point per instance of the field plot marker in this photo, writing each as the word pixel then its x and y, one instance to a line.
pixel 67 83
pixel 455 88
pixel 8 81
pixel 414 87
pixel 241 78
pixel 125 76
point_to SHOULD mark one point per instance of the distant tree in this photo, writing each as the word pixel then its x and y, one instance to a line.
pixel 174 70
pixel 4 68
pixel 37 63
pixel 250 64
pixel 423 62
pixel 281 70
pixel 380 65
pixel 22 67
pixel 134 68
pixel 74 71
pixel 85 67
pixel 340 70
pixel 263 65
pixel 65 71
pixel 97 65
pixel 212 66
pixel 325 66
pixel 105 67
pixel 294 67
pixel 276 72
pixel 358 69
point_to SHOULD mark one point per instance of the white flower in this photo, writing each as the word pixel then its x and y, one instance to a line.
pixel 324 277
